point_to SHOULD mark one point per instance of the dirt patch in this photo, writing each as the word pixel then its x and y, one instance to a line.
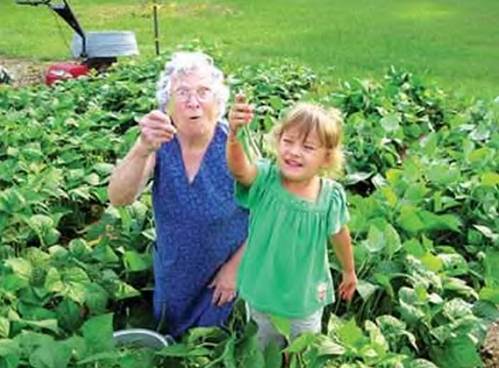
pixel 25 72
pixel 490 350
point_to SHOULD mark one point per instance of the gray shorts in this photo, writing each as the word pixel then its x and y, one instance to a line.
pixel 267 332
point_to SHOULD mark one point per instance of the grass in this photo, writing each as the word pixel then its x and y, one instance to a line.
pixel 452 42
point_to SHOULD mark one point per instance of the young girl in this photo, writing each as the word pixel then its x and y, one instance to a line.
pixel 294 214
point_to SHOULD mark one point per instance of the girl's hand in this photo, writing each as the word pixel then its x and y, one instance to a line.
pixel 155 129
pixel 348 285
pixel 241 113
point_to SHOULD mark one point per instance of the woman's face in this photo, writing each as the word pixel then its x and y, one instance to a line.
pixel 194 108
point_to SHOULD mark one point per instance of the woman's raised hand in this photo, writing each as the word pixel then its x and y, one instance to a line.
pixel 241 113
pixel 155 129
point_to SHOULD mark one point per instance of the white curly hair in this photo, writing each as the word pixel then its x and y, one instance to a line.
pixel 183 63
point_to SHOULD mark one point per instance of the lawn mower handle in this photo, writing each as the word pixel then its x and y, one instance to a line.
pixel 65 12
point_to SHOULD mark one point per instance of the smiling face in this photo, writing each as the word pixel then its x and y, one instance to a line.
pixel 193 107
pixel 300 155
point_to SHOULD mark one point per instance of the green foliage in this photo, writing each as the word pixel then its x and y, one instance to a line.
pixel 423 191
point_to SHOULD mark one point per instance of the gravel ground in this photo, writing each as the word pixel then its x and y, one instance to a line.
pixel 490 350
pixel 25 72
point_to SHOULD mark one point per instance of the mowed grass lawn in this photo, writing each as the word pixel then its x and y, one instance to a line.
pixel 454 42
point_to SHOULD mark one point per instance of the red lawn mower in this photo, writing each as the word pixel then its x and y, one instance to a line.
pixel 95 50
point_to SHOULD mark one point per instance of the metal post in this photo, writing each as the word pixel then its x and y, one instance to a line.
pixel 156 29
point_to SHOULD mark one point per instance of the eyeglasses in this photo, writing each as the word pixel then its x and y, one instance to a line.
pixel 202 94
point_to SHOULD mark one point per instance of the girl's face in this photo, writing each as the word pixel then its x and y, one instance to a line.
pixel 300 157
pixel 193 108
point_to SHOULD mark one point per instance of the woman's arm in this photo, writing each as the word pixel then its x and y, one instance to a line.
pixel 130 176
pixel 241 168
pixel 342 244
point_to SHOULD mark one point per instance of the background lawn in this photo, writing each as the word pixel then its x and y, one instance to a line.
pixel 453 42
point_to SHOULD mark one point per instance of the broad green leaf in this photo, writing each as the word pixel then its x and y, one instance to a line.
pixel 272 355
pixel 491 267
pixel 383 279
pixel 375 241
pixel 96 298
pixel 490 294
pixel 228 354
pixel 124 291
pixel 11 200
pixel 20 266
pixel 13 282
pixel 443 174
pixel 103 169
pixel 486 310
pixel 421 363
pixel 489 179
pixel 4 327
pixel 181 350
pixel 416 193
pixel 414 248
pixel 79 247
pixel 480 155
pixel 69 314
pixel 487 232
pixel 351 335
pixel 53 281
pixel 248 350
pixel 92 179
pixel 328 347
pixel 458 285
pixel 366 289
pixel 282 325
pixel 393 176
pixel 29 340
pixel 433 263
pixel 9 347
pixel 457 308
pixel 106 358
pixel 82 192
pixel 390 195
pixel 390 123
pixel 301 343
pixel 44 227
pixel 50 355
pixel 377 339
pixel 430 143
pixel 357 177
pixel 409 219
pixel 454 264
pixel 75 275
pixel 440 222
pixel 458 352
pixel 98 333
pixel 392 240
pixel 105 254
pixel 48 324
pixel 135 261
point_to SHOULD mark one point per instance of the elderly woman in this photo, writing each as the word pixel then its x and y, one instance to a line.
pixel 200 230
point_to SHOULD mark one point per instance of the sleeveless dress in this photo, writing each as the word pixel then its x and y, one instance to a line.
pixel 198 228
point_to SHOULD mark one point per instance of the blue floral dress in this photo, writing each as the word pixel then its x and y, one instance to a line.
pixel 198 228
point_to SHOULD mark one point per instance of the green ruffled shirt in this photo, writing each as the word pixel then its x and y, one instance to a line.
pixel 285 268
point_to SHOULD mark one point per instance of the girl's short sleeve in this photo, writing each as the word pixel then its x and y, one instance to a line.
pixel 338 214
pixel 247 196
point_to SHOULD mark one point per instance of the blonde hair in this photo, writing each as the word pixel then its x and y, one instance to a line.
pixel 327 123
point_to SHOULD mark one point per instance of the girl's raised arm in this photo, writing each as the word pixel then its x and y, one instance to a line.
pixel 239 165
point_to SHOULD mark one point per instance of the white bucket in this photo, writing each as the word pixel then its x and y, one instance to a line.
pixel 105 44
pixel 140 337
